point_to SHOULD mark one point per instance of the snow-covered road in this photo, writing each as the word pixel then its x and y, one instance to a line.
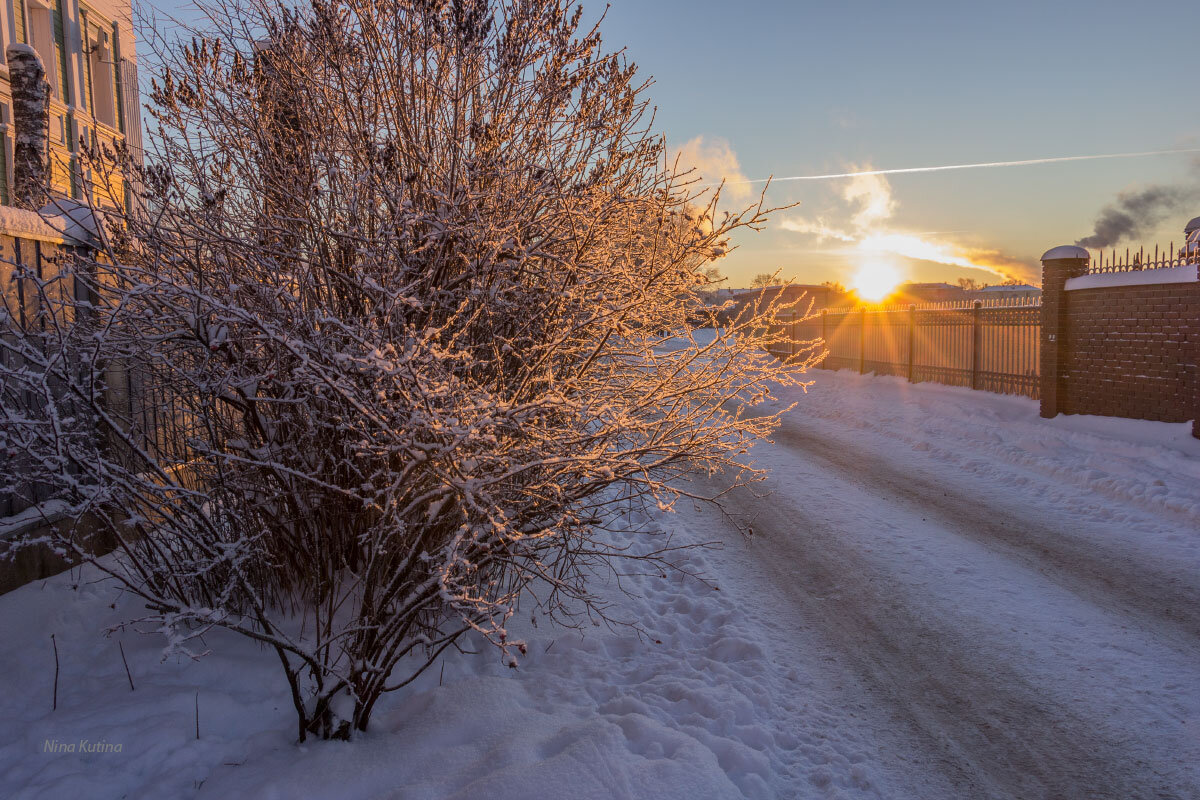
pixel 944 597
pixel 1016 622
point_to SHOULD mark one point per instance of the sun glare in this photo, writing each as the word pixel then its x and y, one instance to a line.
pixel 875 280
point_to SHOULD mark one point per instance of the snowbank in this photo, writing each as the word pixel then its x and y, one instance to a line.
pixel 1151 465
pixel 689 709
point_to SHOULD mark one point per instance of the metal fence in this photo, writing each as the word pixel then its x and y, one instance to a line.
pixel 24 263
pixel 1144 258
pixel 38 287
pixel 993 346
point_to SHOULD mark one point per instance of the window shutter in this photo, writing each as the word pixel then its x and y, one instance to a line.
pixel 85 100
pixel 4 197
pixel 118 112
pixel 60 53
pixel 21 25
pixel 131 107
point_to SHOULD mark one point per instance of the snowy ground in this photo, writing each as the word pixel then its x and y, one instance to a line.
pixel 945 596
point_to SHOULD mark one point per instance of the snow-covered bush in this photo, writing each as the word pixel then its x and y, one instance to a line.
pixel 397 330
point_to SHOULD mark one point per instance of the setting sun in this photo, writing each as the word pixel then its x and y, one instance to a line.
pixel 875 280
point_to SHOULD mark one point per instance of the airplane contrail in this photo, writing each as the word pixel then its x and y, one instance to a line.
pixel 946 167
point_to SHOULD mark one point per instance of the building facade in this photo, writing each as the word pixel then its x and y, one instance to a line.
pixel 88 52
pixel 910 293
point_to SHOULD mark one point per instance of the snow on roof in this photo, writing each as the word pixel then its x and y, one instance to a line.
pixel 1065 251
pixel 1012 287
pixel 73 220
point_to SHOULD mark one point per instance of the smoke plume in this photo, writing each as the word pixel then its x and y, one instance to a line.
pixel 1135 213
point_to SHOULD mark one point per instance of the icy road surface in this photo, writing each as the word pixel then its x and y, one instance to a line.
pixel 1016 601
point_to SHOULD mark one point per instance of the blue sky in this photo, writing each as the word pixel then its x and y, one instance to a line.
pixel 801 88
pixel 793 88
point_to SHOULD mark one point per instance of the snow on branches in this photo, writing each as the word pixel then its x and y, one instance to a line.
pixel 410 289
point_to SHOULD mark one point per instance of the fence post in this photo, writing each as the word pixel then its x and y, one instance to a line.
pixel 976 341
pixel 912 330
pixel 1196 358
pixel 862 341
pixel 1058 265
pixel 1190 254
pixel 825 338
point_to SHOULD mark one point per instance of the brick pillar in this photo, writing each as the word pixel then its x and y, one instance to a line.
pixel 1191 254
pixel 1058 265
pixel 31 126
pixel 1194 324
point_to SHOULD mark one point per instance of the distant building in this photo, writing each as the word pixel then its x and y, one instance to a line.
pixel 819 295
pixel 926 293
pixel 1012 291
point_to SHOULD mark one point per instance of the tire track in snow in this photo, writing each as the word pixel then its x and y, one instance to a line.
pixel 1084 565
pixel 993 733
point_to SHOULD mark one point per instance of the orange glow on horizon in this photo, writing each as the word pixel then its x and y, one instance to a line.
pixel 875 280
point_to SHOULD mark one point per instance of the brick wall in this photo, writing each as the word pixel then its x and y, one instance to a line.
pixel 1131 351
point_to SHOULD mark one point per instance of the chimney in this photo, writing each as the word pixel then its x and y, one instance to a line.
pixel 31 124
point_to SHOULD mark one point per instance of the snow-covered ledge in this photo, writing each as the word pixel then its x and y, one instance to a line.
pixel 1145 277
pixel 62 221
pixel 22 224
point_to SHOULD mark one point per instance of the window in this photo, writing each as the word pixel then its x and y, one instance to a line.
pixel 100 71
pixel 45 33
pixel 21 33
pixel 40 31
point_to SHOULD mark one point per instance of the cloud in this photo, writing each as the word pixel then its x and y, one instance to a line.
pixel 871 196
pixel 714 161
pixel 924 249
pixel 869 205
pixel 817 227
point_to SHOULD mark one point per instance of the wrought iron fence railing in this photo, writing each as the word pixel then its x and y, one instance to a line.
pixel 993 346
pixel 1144 259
